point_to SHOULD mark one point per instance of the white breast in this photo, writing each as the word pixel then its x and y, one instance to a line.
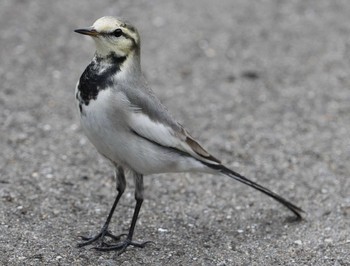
pixel 98 127
pixel 105 123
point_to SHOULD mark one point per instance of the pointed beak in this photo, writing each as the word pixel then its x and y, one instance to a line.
pixel 88 31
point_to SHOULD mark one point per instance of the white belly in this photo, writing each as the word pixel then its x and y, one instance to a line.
pixel 108 130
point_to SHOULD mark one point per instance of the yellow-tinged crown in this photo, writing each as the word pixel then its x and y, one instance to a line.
pixel 112 35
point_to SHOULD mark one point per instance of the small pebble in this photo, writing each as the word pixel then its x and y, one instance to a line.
pixel 298 242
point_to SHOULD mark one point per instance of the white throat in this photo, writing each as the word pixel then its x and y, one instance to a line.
pixel 130 69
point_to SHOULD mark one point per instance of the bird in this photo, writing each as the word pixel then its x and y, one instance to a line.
pixel 129 126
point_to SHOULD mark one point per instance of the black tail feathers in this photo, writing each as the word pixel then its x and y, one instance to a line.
pixel 226 171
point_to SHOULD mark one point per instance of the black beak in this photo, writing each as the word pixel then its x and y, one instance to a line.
pixel 87 31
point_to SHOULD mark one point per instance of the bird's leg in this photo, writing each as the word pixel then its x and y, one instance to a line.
pixel 121 184
pixel 121 246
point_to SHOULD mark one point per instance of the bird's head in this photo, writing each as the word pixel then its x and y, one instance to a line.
pixel 113 35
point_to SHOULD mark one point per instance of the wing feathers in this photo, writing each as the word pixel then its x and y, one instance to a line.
pixel 194 145
pixel 166 136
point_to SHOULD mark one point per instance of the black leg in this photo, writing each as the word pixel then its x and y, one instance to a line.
pixel 121 184
pixel 134 218
pixel 128 241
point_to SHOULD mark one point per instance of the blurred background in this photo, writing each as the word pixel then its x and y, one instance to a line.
pixel 264 85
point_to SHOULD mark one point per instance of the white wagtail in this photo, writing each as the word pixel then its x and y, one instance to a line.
pixel 129 126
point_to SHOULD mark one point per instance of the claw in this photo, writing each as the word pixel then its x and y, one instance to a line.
pixel 114 237
pixel 122 246
pixel 85 238
pixel 100 236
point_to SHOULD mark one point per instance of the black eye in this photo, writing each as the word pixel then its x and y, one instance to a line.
pixel 117 33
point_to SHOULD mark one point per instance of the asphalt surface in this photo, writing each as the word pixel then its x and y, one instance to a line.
pixel 264 85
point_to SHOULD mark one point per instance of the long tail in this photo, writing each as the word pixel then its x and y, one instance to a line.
pixel 226 171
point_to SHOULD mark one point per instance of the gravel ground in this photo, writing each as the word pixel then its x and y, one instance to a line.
pixel 264 85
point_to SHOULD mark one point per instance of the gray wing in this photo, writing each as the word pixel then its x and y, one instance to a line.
pixel 151 120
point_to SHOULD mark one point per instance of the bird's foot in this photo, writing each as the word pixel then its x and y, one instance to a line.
pixel 99 237
pixel 121 246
